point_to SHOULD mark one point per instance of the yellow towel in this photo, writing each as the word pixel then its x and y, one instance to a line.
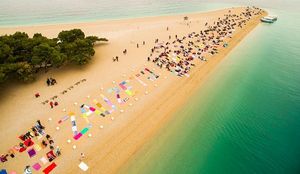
pixel 37 147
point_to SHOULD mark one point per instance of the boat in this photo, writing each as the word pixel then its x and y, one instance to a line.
pixel 269 19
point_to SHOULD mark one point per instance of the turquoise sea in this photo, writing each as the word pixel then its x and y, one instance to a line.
pixel 244 120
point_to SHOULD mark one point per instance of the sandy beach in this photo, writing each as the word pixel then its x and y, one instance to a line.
pixel 115 138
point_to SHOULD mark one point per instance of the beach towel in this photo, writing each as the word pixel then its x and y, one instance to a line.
pixel 108 102
pixel 44 160
pixel 87 110
pixel 22 137
pixel 31 153
pixel 74 126
pixel 36 166
pixel 83 166
pixel 129 92
pixel 50 156
pixel 22 149
pixel 77 136
pixel 37 147
pixel 3 171
pixel 154 76
pixel 28 142
pixel 49 168
pixel 84 130
pixel 104 111
pixel 119 98
pixel 122 86
pixel 92 109
pixel 63 119
pixel 140 81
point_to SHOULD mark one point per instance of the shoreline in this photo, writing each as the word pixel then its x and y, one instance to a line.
pixel 199 78
pixel 120 141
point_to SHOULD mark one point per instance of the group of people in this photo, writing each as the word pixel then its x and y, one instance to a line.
pixel 51 81
pixel 115 59
pixel 177 56
pixel 53 103
pixel 35 131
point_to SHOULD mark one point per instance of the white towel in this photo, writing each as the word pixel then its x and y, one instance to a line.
pixel 83 166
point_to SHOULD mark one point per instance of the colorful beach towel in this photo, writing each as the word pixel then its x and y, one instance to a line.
pixel 49 168
pixel 82 132
pixel 104 111
pixel 108 102
pixel 36 166
pixel 44 160
pixel 31 153
pixel 37 147
pixel 28 142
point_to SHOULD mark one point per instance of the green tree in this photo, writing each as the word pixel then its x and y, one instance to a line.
pixel 22 56
pixel 94 39
pixel 71 35
pixel 81 51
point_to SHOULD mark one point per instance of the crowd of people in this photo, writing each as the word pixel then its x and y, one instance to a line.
pixel 177 56
pixel 37 131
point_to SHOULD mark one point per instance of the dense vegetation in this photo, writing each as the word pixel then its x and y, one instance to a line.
pixel 22 56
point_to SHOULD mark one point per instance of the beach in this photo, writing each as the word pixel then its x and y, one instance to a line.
pixel 118 136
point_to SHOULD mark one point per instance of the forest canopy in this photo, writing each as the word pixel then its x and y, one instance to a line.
pixel 22 56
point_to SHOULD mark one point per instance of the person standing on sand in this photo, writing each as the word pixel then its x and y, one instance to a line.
pixel 117 58
pixel 137 45
pixel 51 104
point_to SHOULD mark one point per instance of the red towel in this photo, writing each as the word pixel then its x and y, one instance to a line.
pixel 28 142
pixel 49 168
pixel 22 149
